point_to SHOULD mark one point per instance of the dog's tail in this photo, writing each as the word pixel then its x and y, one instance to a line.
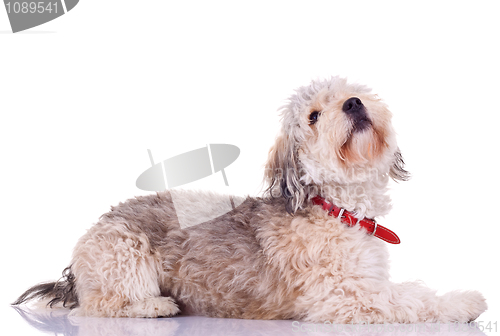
pixel 62 291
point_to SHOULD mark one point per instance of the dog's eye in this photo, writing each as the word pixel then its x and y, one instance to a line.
pixel 313 117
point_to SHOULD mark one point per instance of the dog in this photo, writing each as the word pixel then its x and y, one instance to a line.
pixel 308 249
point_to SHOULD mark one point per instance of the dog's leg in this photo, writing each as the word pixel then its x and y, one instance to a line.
pixel 117 274
pixel 413 302
pixel 359 291
pixel 385 302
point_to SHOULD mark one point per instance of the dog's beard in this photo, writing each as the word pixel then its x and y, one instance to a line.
pixel 341 153
pixel 362 146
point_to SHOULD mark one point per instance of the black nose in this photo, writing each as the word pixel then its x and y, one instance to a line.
pixel 352 105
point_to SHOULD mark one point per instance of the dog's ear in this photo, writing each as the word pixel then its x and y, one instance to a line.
pixel 281 173
pixel 397 172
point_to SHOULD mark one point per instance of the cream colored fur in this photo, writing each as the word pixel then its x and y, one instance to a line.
pixel 276 257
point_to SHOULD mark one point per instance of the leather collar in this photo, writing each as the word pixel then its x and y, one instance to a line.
pixel 370 225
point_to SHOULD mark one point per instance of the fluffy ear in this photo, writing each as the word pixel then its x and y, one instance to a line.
pixel 397 172
pixel 281 173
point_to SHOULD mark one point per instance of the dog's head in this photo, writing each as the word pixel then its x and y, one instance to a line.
pixel 333 132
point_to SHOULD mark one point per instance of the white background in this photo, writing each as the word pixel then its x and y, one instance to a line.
pixel 83 97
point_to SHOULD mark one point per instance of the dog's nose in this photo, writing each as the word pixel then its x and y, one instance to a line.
pixel 352 105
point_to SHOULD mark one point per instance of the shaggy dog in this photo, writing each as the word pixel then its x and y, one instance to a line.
pixel 307 250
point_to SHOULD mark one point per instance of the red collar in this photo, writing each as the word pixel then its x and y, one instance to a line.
pixel 348 218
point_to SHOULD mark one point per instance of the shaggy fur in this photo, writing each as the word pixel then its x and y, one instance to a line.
pixel 276 257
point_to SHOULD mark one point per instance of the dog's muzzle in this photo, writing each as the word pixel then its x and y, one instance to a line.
pixel 356 111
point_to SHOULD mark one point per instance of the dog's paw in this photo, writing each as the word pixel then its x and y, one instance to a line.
pixel 463 307
pixel 153 307
pixel 149 307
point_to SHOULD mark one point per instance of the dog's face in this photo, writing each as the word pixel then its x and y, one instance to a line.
pixel 333 133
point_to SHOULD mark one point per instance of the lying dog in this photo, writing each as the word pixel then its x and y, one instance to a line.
pixel 308 249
